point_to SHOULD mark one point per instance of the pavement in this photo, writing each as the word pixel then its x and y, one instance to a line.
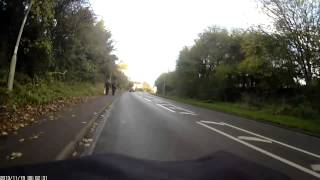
pixel 148 127
pixel 52 137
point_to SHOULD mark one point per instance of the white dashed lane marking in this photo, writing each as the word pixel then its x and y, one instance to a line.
pixel 193 114
pixel 160 105
pixel 248 138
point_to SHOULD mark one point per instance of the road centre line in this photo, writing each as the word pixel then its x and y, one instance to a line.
pixel 147 99
pixel 290 163
pixel 165 108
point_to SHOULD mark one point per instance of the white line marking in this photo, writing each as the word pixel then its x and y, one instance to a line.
pixel 212 122
pixel 315 167
pixel 275 141
pixel 165 108
pixel 188 113
pixel 306 170
pixel 183 109
pixel 147 99
pixel 248 138
pixel 264 137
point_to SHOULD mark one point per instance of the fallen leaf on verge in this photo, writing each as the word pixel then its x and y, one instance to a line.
pixel 74 153
pixel 14 155
pixel 87 140
pixel 4 133
pixel 73 115
pixel 30 114
pixel 84 122
pixel 87 144
pixel 21 140
pixel 34 137
pixel 15 127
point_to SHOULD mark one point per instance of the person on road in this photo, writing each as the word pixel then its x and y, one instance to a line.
pixel 113 86
pixel 106 87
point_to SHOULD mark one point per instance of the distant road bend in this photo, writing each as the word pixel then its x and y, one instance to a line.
pixel 145 126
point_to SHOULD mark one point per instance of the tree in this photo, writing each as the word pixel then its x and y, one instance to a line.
pixel 298 22
pixel 223 65
pixel 166 83
pixel 60 37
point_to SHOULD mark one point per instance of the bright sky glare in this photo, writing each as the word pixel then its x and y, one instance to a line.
pixel 149 34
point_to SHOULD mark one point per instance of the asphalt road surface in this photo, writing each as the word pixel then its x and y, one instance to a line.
pixel 149 127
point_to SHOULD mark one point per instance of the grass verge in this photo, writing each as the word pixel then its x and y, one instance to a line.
pixel 27 103
pixel 45 93
pixel 308 125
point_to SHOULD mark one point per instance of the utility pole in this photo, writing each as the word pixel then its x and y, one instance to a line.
pixel 14 56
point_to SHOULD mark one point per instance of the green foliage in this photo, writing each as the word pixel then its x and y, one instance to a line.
pixel 62 40
pixel 253 69
pixel 166 82
pixel 297 22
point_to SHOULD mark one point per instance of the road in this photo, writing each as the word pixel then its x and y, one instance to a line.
pixel 149 127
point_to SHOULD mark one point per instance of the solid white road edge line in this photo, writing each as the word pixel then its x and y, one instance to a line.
pixel 250 138
pixel 165 108
pixel 297 166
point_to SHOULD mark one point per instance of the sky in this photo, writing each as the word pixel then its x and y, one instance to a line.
pixel 148 34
